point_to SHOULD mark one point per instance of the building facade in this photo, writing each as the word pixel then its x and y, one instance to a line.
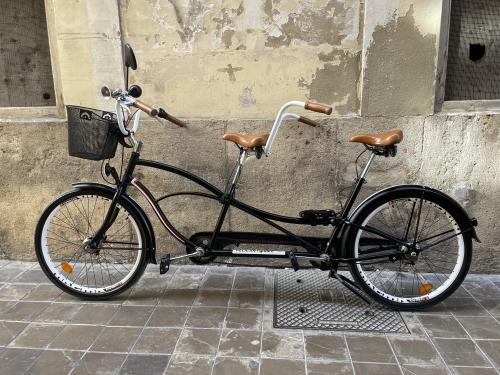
pixel 428 67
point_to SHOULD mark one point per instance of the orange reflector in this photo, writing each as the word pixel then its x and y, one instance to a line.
pixel 66 267
pixel 425 288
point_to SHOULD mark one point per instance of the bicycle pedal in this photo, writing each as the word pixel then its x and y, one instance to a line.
pixel 165 264
pixel 294 261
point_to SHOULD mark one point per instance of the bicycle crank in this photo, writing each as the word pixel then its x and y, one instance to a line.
pixel 166 260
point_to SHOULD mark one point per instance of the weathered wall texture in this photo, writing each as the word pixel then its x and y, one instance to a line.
pixel 88 48
pixel 400 47
pixel 245 58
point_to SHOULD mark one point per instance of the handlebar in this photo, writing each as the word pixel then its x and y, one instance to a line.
pixel 318 107
pixel 145 108
pixel 163 114
pixel 307 121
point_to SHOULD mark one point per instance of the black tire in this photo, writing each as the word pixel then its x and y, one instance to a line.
pixel 72 217
pixel 382 283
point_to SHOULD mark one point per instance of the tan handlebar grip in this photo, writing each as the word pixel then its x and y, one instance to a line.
pixel 317 107
pixel 307 121
pixel 175 120
pixel 146 108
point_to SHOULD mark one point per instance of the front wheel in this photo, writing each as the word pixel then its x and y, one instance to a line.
pixel 62 239
pixel 435 259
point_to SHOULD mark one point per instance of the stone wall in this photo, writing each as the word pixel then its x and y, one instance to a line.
pixel 308 166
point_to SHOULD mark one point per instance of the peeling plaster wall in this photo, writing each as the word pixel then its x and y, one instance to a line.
pixel 245 58
pixel 400 46
pixel 88 50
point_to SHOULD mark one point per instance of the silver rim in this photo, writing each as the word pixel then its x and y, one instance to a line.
pixel 436 267
pixel 99 271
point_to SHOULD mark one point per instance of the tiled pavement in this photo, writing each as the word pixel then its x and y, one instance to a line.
pixel 217 320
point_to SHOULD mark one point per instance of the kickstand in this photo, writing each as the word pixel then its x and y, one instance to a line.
pixel 351 285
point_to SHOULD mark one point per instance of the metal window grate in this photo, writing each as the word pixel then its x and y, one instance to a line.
pixel 473 67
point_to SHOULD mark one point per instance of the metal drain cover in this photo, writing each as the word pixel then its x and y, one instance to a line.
pixel 312 300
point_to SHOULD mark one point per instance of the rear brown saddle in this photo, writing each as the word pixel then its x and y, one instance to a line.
pixel 376 140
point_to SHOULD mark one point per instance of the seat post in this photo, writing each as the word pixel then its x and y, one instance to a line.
pixel 239 167
pixel 367 166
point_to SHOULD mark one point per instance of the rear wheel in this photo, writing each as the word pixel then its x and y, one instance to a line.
pixel 62 239
pixel 430 267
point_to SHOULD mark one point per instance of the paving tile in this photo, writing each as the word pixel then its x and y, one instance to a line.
pixel 246 298
pixel 214 268
pixel 370 349
pixel 99 363
pixel 236 343
pixel 245 279
pixel 76 337
pixel 9 330
pixel 24 311
pixel 198 341
pixel 55 362
pixel 143 297
pixel 6 306
pixel 185 281
pixel 373 368
pixel 185 364
pixel 491 349
pixel 460 352
pixel 15 292
pixel 240 366
pixel 116 339
pixel 36 276
pixel 17 361
pixel 37 336
pixel 481 327
pixel 178 297
pixel 473 371
pixel 210 297
pixel 217 281
pixel 157 340
pixel 94 314
pixel 423 370
pixel 191 270
pixel 271 366
pixel 321 346
pixel 491 305
pixel 59 313
pixel 167 316
pixel 137 364
pixel 442 326
pixel 43 292
pixel 482 289
pixel 243 318
pixel 135 316
pixel 281 344
pixel 414 351
pixel 9 273
pixel 206 317
pixel 329 368
pixel 464 307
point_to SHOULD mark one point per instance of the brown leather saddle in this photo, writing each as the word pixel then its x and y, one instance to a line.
pixel 247 141
pixel 377 140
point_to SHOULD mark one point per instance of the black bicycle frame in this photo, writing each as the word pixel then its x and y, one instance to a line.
pixel 227 199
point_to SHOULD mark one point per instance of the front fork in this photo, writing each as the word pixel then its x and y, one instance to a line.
pixel 121 188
